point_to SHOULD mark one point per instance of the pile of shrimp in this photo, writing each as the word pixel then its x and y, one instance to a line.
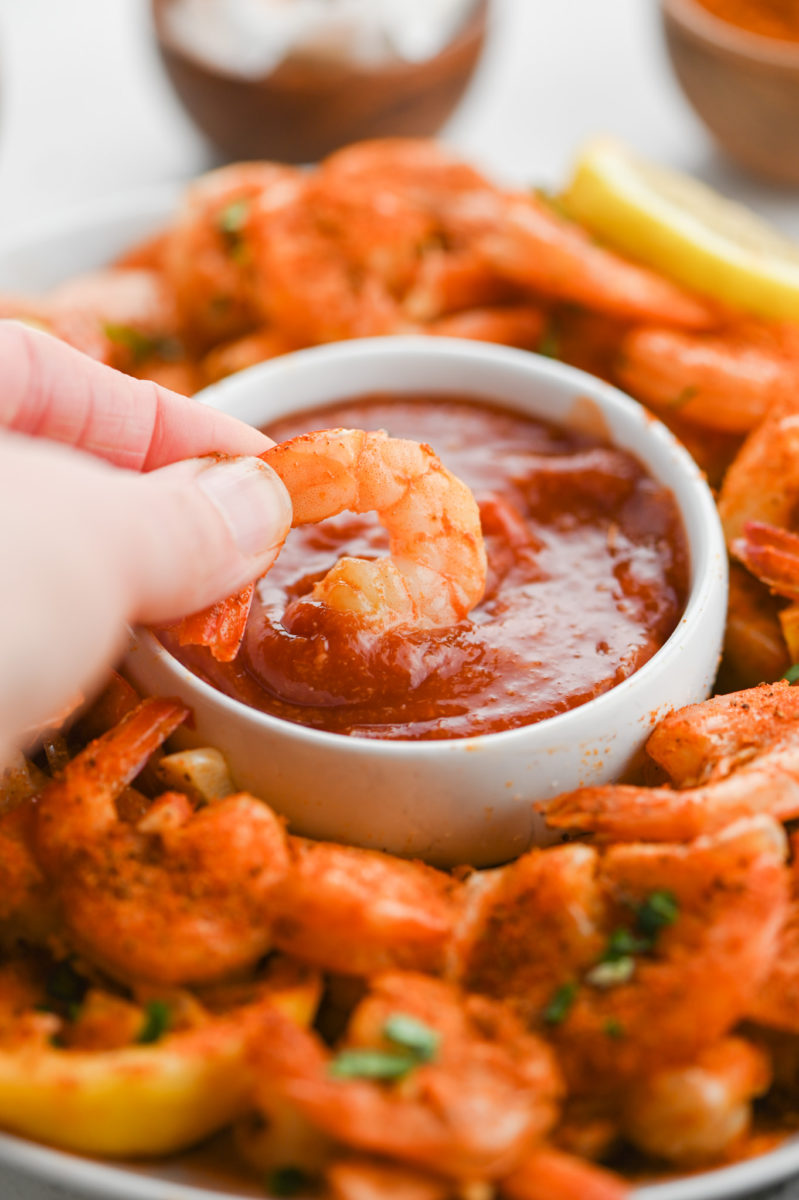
pixel 614 1007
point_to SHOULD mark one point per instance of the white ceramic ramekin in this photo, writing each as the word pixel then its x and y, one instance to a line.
pixel 472 799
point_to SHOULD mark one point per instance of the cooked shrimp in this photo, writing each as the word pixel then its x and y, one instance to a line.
pixel 772 555
pixel 532 246
pixel 746 751
pixel 776 1004
pixel 436 568
pixel 551 1175
pixel 451 281
pixel 180 896
pixel 358 912
pixel 208 258
pixel 470 1103
pixel 244 352
pixel 763 482
pixel 726 900
pixel 365 1178
pixel 308 287
pixel 724 381
pixel 694 1114
pixel 519 325
pixel 549 936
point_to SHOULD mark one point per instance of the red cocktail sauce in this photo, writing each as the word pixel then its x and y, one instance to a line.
pixel 587 578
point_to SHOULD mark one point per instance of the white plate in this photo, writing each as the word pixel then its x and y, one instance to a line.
pixel 38 258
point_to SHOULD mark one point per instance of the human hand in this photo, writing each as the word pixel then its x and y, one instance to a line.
pixel 89 546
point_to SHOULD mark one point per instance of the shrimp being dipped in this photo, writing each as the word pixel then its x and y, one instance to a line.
pixel 179 896
pixel 435 571
pixel 470 1101
pixel 731 757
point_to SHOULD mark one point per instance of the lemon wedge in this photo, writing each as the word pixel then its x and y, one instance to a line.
pixel 685 230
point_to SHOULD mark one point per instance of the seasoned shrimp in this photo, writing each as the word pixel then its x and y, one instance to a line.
pixel 358 912
pixel 178 897
pixel 739 754
pixel 519 325
pixel 694 1114
pixel 551 1175
pixel 776 1004
pixel 724 381
pixel 600 950
pixel 762 483
pixel 708 917
pixel 532 246
pixel 435 572
pixel 469 1101
pixel 754 642
pixel 208 258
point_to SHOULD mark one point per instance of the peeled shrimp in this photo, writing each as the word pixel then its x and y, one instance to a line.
pixel 754 643
pixel 536 934
pixel 725 381
pixel 690 1115
pixel 435 572
pixel 358 912
pixel 776 1004
pixel 551 1175
pixel 478 1103
pixel 762 483
pixel 737 754
pixel 180 896
pixel 526 242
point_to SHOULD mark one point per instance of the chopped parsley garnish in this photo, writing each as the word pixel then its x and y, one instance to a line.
pixel 230 223
pixel 792 674
pixel 658 911
pixel 416 1043
pixel 157 1019
pixel 560 1005
pixel 287 1181
pixel 66 989
pixel 412 1035
pixel 621 944
pixel 614 1029
pixel 143 345
pixel 359 1063
pixel 684 396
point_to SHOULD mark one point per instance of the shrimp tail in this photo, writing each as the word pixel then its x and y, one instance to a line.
pixel 548 1173
pixel 772 555
pixel 219 627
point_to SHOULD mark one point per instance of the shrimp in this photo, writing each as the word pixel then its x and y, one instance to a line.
pixel 776 1004
pixel 519 325
pixel 358 912
pixel 691 1115
pixel 724 899
pixel 472 1100
pixel 548 933
pixel 435 572
pixel 552 1175
pixel 451 281
pixel 526 242
pixel 208 259
pixel 762 484
pixel 244 352
pixel 738 754
pixel 726 382
pixel 178 897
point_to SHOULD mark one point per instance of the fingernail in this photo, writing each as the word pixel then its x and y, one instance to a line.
pixel 253 501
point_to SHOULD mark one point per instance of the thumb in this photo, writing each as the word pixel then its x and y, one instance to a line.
pixel 199 531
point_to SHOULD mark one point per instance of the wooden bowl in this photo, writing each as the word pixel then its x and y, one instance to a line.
pixel 745 87
pixel 301 111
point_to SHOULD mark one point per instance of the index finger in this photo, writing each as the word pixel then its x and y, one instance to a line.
pixel 52 391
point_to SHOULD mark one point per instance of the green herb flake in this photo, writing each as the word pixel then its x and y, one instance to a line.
pixel 412 1035
pixel 359 1063
pixel 687 394
pixel 614 1029
pixel 658 912
pixel 287 1181
pixel 560 1005
pixel 233 217
pixel 792 674
pixel 611 974
pixel 157 1019
pixel 622 944
pixel 142 346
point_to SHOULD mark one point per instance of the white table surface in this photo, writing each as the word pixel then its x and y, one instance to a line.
pixel 86 112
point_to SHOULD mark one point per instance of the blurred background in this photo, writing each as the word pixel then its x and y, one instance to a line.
pixel 86 109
